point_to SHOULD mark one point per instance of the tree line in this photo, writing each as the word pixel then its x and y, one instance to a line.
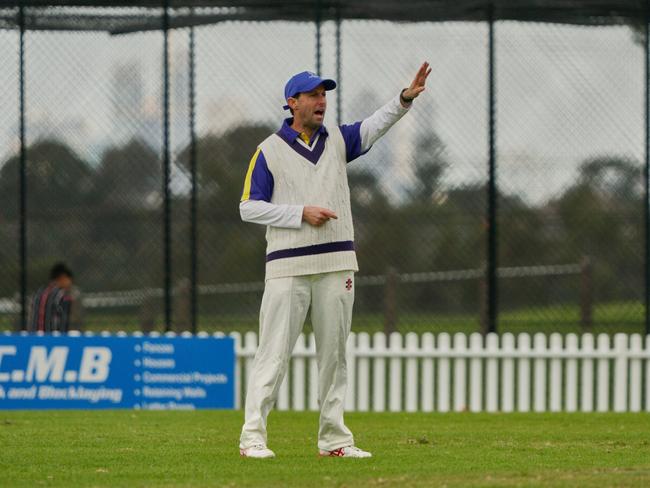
pixel 106 221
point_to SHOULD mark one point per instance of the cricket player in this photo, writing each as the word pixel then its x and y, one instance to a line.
pixel 297 186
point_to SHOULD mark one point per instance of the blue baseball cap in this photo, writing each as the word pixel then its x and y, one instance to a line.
pixel 304 82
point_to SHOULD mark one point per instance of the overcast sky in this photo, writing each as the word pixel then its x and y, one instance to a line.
pixel 564 94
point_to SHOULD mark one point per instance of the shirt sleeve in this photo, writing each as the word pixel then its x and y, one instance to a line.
pixel 258 184
pixel 352 137
pixel 266 213
pixel 360 136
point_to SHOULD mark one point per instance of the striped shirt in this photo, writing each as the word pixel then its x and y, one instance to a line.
pixel 50 310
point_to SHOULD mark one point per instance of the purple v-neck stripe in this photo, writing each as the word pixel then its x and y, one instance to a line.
pixel 310 250
pixel 312 156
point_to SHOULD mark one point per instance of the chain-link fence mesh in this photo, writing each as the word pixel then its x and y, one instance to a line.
pixel 569 153
pixel 180 176
pixel 93 135
pixel 419 193
pixel 9 184
pixel 241 106
pixel 570 158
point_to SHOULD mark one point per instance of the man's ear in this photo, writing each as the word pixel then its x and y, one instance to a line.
pixel 292 102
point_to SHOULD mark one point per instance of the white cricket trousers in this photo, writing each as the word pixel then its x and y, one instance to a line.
pixel 282 315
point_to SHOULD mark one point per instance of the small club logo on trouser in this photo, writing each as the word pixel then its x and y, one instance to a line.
pixel 348 284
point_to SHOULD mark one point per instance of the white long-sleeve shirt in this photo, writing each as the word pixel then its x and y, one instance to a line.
pixel 260 211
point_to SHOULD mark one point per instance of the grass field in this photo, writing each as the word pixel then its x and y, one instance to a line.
pixel 134 448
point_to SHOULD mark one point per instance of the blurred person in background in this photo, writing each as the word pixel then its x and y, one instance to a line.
pixel 53 306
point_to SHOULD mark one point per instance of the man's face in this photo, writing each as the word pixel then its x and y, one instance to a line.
pixel 64 281
pixel 309 107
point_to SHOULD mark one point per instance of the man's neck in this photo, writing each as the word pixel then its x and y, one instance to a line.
pixel 301 129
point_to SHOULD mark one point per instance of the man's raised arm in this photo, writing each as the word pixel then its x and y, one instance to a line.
pixel 360 137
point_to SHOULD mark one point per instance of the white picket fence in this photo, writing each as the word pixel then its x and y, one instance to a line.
pixel 494 373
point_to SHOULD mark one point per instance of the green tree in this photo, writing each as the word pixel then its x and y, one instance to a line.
pixel 601 216
pixel 57 179
pixel 59 187
pixel 123 245
pixel 229 249
pixel 129 176
pixel 429 169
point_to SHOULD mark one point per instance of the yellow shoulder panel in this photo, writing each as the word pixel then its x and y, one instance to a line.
pixel 249 176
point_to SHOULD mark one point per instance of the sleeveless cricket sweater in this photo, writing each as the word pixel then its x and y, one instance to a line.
pixel 297 181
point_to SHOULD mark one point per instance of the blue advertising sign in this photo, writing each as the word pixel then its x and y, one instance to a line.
pixel 95 372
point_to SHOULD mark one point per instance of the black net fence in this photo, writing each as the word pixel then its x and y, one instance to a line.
pixel 571 124
pixel 569 151
pixel 9 192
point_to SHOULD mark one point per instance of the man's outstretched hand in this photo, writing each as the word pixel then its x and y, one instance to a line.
pixel 417 85
pixel 317 216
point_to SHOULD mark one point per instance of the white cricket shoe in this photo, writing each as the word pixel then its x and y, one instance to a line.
pixel 347 451
pixel 258 451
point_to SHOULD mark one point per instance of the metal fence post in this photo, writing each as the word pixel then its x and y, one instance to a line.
pixel 339 95
pixel 167 263
pixel 586 294
pixel 318 21
pixel 22 178
pixel 148 312
pixel 390 301
pixel 492 255
pixel 183 305
pixel 194 190
pixel 483 301
pixel 646 173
